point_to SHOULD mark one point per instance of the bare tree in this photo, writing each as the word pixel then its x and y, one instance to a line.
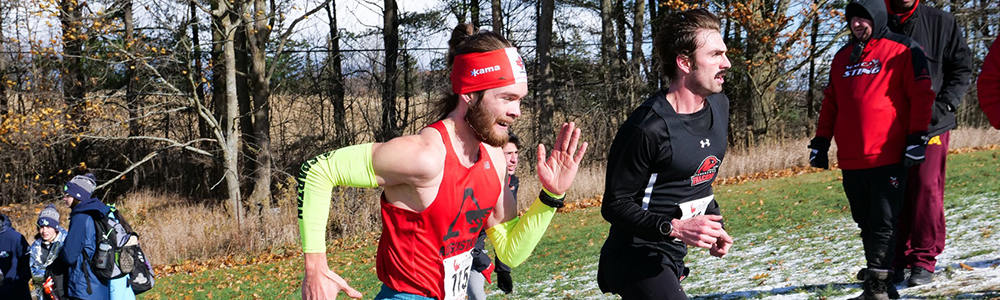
pixel 71 17
pixel 497 17
pixel 203 129
pixel 653 79
pixel 3 67
pixel 638 59
pixel 227 132
pixel 5 7
pixel 474 13
pixel 543 40
pixel 336 77
pixel 259 18
pixel 390 127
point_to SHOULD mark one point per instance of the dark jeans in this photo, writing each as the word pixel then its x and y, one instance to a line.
pixel 876 197
pixel 921 230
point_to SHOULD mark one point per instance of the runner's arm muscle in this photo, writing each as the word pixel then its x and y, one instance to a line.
pixel 366 165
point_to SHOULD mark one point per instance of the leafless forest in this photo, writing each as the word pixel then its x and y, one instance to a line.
pixel 219 102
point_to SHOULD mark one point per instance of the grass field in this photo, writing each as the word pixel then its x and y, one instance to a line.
pixel 794 240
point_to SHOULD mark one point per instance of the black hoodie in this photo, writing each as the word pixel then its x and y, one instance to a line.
pixel 948 58
pixel 876 12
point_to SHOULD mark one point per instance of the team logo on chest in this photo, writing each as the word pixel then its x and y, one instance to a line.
pixel 474 215
pixel 706 172
pixel 863 68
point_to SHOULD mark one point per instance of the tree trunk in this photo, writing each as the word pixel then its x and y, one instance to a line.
pixel 231 129
pixel 543 40
pixel 203 130
pixel 258 35
pixel 3 77
pixel 607 38
pixel 73 80
pixel 497 17
pixel 337 79
pixel 810 105
pixel 70 16
pixel 243 93
pixel 474 13
pixel 408 65
pixel 389 128
pixel 619 13
pixel 219 66
pixel 611 71
pixel 635 65
pixel 131 99
pixel 653 81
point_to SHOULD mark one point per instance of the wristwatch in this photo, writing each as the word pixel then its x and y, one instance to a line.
pixel 666 228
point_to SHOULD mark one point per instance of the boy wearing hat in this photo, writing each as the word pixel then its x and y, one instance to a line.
pixel 44 251
pixel 80 244
pixel 13 262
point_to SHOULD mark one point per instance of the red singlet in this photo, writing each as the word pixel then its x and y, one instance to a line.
pixel 429 253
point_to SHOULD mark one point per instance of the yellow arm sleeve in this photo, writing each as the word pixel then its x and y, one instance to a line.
pixel 514 240
pixel 348 166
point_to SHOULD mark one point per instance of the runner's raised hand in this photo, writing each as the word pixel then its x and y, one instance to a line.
pixel 557 171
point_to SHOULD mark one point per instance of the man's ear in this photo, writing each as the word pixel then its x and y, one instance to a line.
pixel 468 98
pixel 684 63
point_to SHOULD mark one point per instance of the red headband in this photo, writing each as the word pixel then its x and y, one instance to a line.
pixel 486 70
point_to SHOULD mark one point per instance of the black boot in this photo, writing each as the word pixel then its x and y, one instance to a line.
pixel 876 285
pixel 891 289
pixel 898 275
pixel 920 276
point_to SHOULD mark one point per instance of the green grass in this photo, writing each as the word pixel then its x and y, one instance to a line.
pixel 565 260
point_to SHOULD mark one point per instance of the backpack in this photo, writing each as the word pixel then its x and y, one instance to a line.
pixel 118 252
pixel 141 278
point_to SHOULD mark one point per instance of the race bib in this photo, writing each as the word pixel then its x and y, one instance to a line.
pixel 693 208
pixel 456 275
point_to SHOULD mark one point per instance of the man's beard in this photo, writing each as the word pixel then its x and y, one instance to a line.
pixel 704 88
pixel 482 124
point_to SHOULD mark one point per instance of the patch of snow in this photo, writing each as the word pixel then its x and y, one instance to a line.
pixel 817 261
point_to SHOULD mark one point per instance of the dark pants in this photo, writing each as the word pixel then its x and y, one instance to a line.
pixel 921 231
pixel 664 286
pixel 876 197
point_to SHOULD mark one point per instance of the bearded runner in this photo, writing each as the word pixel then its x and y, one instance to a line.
pixel 441 186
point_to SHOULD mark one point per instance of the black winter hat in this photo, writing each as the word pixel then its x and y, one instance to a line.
pixel 855 9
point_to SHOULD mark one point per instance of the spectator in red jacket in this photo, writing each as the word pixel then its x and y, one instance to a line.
pixel 921 232
pixel 989 86
pixel 878 107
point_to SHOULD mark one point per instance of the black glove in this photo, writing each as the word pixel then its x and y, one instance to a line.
pixel 916 145
pixel 504 283
pixel 818 156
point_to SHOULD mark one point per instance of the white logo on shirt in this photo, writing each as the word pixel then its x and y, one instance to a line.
pixel 864 68
pixel 705 143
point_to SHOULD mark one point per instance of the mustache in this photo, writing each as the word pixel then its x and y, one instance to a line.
pixel 720 74
pixel 506 119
